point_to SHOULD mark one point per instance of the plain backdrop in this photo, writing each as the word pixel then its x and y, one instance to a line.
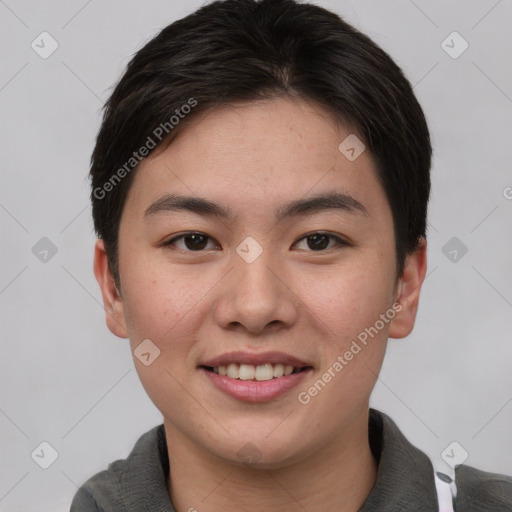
pixel 66 380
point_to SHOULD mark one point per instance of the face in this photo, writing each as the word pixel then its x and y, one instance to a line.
pixel 255 282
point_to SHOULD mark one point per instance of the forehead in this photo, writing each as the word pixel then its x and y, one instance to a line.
pixel 260 153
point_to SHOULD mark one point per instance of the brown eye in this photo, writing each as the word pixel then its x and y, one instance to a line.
pixel 320 241
pixel 316 242
pixel 193 242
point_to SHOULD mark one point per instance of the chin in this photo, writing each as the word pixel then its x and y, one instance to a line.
pixel 254 453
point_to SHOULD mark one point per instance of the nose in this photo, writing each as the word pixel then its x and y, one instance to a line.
pixel 257 296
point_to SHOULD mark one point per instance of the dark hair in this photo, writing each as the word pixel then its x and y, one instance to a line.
pixel 243 50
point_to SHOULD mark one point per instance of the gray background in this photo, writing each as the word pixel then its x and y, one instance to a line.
pixel 65 379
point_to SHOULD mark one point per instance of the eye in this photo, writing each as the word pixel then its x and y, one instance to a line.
pixel 194 241
pixel 319 241
pixel 197 242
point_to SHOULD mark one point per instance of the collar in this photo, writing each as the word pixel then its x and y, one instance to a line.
pixel 405 478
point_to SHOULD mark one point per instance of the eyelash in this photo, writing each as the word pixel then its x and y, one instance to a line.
pixel 339 241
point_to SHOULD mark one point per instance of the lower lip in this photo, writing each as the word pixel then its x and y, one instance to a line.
pixel 254 390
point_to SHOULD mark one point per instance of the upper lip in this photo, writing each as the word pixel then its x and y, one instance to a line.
pixel 255 359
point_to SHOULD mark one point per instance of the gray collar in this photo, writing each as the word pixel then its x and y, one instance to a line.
pixel 405 478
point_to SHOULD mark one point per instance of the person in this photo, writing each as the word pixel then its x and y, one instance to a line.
pixel 260 185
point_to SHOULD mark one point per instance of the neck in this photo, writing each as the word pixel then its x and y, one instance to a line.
pixel 337 477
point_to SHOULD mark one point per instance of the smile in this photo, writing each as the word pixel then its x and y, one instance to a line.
pixel 262 372
pixel 257 385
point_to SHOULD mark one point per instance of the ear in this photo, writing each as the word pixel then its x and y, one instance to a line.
pixel 112 300
pixel 408 292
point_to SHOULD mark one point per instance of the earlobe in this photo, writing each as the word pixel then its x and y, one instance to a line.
pixel 112 301
pixel 408 292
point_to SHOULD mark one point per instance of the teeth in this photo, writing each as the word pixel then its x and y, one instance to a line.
pixel 250 372
pixel 232 371
pixel 246 372
pixel 278 370
pixel 264 372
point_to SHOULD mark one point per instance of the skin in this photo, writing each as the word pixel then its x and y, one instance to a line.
pixel 195 305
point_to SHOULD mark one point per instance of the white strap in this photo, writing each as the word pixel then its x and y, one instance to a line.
pixel 445 487
pixel 444 493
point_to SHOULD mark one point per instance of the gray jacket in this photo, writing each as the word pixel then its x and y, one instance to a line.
pixel 405 479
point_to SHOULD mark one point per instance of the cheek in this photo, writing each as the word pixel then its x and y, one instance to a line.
pixel 165 304
pixel 347 308
pixel 154 301
pixel 164 308
pixel 346 302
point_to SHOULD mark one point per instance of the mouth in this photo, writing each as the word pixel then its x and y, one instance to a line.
pixel 260 373
pixel 250 377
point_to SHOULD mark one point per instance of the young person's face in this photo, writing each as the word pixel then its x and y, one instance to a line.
pixel 201 301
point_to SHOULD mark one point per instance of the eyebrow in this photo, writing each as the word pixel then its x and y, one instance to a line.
pixel 298 207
